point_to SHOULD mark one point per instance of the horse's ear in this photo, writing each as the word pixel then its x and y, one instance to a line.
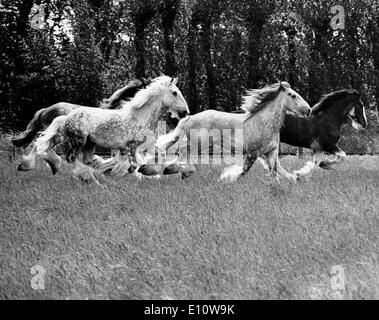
pixel 144 81
pixel 284 85
pixel 174 81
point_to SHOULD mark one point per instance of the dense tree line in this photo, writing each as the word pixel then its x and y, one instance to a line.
pixel 81 51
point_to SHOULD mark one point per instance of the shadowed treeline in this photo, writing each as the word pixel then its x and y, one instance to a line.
pixel 83 51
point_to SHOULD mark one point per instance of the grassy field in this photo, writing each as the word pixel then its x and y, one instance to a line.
pixel 194 239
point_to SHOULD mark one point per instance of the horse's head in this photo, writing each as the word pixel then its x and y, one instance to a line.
pixel 294 102
pixel 357 113
pixel 174 100
pixel 161 99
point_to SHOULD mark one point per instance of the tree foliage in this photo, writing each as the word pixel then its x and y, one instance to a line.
pixel 84 50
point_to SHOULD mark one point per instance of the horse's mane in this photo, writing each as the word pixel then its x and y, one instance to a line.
pixel 329 99
pixel 146 95
pixel 123 94
pixel 257 99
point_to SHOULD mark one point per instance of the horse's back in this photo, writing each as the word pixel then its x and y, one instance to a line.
pixel 210 119
pixel 90 120
pixel 56 110
pixel 93 112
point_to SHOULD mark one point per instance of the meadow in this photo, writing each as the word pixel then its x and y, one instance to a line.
pixel 192 239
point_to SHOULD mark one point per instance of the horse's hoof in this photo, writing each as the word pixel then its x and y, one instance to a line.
pixel 186 175
pixel 108 172
pixel 147 170
pixel 22 169
pixel 170 170
pixel 53 168
pixel 132 169
pixel 143 169
pixel 326 166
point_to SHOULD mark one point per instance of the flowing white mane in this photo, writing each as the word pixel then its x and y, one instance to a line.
pixel 257 99
pixel 147 95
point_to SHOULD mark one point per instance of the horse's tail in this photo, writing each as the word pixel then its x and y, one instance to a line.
pixel 26 137
pixel 46 140
pixel 168 140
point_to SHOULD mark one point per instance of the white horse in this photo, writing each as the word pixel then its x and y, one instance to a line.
pixel 124 129
pixel 44 117
pixel 265 110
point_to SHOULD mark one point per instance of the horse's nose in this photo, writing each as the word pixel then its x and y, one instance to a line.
pixel 309 112
pixel 183 114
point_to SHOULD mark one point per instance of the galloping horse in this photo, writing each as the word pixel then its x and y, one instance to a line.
pixel 265 110
pixel 123 129
pixel 44 117
pixel 321 132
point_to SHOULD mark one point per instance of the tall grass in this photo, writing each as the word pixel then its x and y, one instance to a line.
pixel 193 239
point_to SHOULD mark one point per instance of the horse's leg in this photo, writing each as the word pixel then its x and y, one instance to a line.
pixel 339 155
pixel 278 169
pixel 187 171
pixel 88 151
pixel 135 152
pixel 131 155
pixel 284 173
pixel 180 164
pixel 172 166
pixel 28 161
pixel 72 151
pixel 263 160
pixel 272 162
pixel 108 165
pixel 81 171
pixel 113 165
pixel 232 173
pixel 269 163
pixel 176 166
pixel 53 160
pixel 121 168
pixel 310 165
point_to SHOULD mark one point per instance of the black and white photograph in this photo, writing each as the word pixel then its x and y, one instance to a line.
pixel 189 150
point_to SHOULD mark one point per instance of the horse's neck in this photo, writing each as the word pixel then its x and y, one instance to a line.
pixel 274 113
pixel 338 111
pixel 148 115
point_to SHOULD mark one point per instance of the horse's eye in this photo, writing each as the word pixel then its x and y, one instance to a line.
pixel 175 93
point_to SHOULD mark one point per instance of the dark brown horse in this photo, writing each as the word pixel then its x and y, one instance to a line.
pixel 321 132
pixel 44 117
